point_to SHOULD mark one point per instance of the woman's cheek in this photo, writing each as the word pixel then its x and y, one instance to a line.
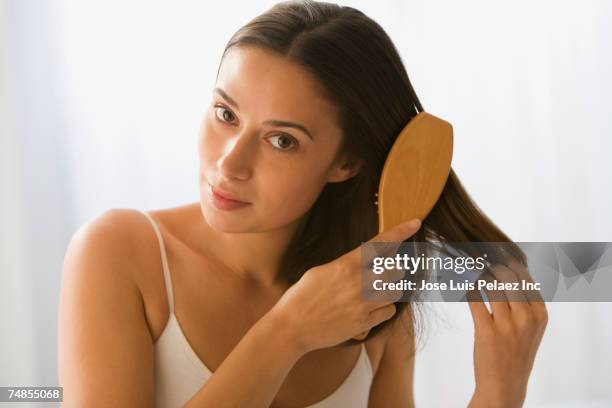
pixel 208 142
pixel 301 193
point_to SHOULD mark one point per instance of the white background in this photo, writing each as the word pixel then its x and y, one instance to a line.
pixel 100 102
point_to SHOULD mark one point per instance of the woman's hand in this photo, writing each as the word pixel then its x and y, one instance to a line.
pixel 325 307
pixel 507 340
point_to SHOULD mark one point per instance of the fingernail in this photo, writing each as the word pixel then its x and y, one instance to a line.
pixel 414 223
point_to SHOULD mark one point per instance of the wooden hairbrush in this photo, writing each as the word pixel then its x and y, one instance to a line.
pixel 414 173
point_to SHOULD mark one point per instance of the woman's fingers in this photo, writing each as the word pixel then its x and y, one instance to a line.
pixel 521 311
pixel 511 308
pixel 386 243
pixel 497 298
pixel 513 288
pixel 533 296
pixel 362 335
pixel 376 285
pixel 380 314
pixel 478 309
pixel 398 233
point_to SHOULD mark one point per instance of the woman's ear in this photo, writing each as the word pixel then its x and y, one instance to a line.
pixel 344 169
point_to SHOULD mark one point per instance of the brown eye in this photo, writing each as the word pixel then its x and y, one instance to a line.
pixel 284 142
pixel 226 115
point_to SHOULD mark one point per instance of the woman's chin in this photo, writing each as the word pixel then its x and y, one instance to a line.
pixel 223 222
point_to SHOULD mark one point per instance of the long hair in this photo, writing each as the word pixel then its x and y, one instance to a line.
pixel 362 73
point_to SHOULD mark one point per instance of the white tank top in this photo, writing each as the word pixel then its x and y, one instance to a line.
pixel 179 373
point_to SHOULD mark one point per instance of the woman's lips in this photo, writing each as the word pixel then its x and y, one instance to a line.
pixel 224 203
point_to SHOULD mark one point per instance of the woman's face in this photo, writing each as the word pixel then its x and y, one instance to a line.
pixel 269 138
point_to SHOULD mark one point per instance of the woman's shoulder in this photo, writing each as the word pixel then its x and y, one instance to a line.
pixel 127 235
pixel 132 226
pixel 115 232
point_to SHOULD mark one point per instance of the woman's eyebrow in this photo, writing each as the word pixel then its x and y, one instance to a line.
pixel 271 122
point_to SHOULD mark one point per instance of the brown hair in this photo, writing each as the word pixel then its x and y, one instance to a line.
pixel 363 74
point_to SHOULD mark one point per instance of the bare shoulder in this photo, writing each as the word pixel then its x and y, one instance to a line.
pixel 104 340
pixel 108 247
pixel 114 226
pixel 122 237
pixel 401 330
pixel 395 337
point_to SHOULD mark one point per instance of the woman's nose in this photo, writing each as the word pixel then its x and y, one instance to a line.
pixel 235 162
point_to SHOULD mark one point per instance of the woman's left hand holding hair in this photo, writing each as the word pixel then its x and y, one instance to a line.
pixel 506 340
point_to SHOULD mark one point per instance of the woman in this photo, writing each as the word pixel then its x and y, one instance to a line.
pixel 251 297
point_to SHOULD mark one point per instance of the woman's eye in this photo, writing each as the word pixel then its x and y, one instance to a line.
pixel 284 142
pixel 226 115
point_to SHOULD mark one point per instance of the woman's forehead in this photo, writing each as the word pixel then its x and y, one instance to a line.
pixel 262 82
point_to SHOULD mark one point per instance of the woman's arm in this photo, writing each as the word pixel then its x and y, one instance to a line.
pixel 393 382
pixel 251 375
pixel 105 347
pixel 106 353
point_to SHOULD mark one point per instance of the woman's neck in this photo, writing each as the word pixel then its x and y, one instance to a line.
pixel 252 256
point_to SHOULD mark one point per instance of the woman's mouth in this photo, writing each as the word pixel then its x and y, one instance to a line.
pixel 223 202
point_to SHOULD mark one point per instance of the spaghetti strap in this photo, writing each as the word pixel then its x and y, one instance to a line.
pixel 167 277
